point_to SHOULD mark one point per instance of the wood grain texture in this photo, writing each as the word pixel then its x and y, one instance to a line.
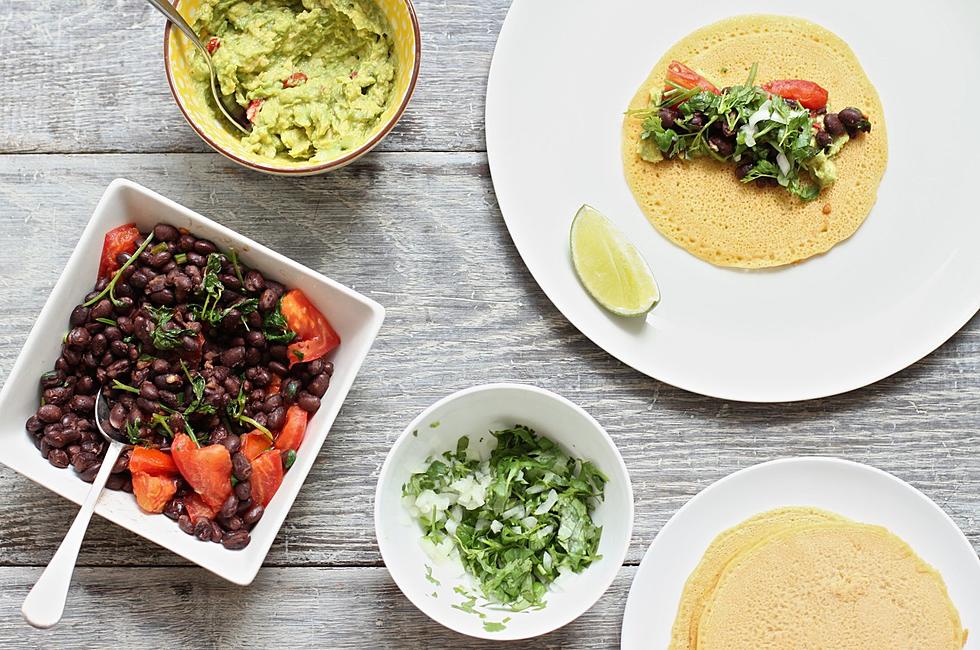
pixel 295 608
pixel 88 76
pixel 422 234
pixel 417 228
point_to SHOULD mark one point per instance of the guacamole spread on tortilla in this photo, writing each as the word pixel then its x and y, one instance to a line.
pixel 315 76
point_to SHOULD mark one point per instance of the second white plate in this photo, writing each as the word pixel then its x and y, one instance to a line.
pixel 851 489
pixel 563 73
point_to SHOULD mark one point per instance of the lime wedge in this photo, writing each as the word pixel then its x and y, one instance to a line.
pixel 610 268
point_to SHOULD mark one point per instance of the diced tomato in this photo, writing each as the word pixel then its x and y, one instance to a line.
pixel 315 335
pixel 196 508
pixel 254 443
pixel 685 77
pixel 153 492
pixel 807 93
pixel 213 44
pixel 294 80
pixel 206 469
pixel 291 436
pixel 153 462
pixel 118 240
pixel 353 74
pixel 253 110
pixel 266 476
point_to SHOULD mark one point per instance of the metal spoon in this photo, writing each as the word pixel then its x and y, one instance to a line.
pixel 228 105
pixel 45 603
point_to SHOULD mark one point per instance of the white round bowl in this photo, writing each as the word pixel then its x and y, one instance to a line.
pixel 474 412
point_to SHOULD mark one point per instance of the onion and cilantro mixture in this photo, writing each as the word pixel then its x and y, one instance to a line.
pixel 779 133
pixel 516 520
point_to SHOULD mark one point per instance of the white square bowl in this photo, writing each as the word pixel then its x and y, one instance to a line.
pixel 356 318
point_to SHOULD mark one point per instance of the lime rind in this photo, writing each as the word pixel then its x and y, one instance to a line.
pixel 609 267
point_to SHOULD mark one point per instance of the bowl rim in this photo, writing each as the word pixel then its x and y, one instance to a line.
pixel 320 167
pixel 238 569
pixel 406 435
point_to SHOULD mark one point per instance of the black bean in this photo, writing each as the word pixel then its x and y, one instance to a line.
pixel 52 378
pixel 34 424
pixel 262 378
pixel 149 391
pixel 55 439
pixel 204 247
pixel 184 523
pixel 253 514
pixel 255 339
pixel 119 348
pixel 261 418
pixel 696 121
pixel 57 395
pixel 202 529
pixel 721 145
pixel 833 125
pixel 82 404
pixel 278 368
pixel 85 385
pixel 138 279
pixel 851 117
pixel 159 366
pixel 169 399
pixel 232 523
pixel 236 540
pixel 233 356
pixel 290 389
pixel 196 260
pixel 243 490
pixel 230 281
pixel 49 413
pixel 169 381
pixel 229 507
pixel 240 466
pixel 92 446
pixel 267 301
pixel 89 474
pixel 117 368
pixel 232 443
pixel 276 419
pixel 740 172
pixel 165 232
pixel 102 309
pixel 277 288
pixel 254 281
pixel 163 297
pixel 668 117
pixel 78 316
pixel 58 458
pixel 117 416
pixel 253 356
pixel 121 464
pixel 824 139
pixel 174 509
pixel 124 305
pixel 186 243
pixel 159 260
pixel 216 532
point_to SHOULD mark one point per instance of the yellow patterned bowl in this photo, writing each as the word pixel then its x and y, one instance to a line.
pixel 177 50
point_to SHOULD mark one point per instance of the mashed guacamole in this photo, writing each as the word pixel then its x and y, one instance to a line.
pixel 315 76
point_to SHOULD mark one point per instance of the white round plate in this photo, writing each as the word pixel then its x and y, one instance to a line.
pixel 563 73
pixel 858 491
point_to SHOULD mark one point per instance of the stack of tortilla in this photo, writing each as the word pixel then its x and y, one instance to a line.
pixel 806 578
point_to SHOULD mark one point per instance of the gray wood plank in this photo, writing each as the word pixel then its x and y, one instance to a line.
pixel 422 234
pixel 88 76
pixel 298 608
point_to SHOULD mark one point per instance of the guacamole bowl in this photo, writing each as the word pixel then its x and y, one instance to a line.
pixel 342 129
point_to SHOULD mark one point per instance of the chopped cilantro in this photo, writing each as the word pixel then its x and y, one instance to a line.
pixel 515 520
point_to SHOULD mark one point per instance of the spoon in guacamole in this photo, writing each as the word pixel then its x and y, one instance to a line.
pixel 229 107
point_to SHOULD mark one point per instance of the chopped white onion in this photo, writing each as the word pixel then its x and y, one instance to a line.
pixel 783 162
pixel 547 504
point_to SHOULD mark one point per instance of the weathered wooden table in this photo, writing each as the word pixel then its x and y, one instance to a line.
pixel 416 227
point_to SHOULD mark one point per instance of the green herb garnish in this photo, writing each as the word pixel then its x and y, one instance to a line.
pixel 288 458
pixel 236 411
pixel 275 327
pixel 212 288
pixel 133 432
pixel 236 266
pixel 118 385
pixel 107 321
pixel 515 520
pixel 163 337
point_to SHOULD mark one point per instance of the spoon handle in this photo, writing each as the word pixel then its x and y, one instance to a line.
pixel 168 10
pixel 45 603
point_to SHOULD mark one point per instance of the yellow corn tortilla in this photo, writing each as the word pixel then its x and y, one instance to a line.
pixel 721 551
pixel 702 207
pixel 830 585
